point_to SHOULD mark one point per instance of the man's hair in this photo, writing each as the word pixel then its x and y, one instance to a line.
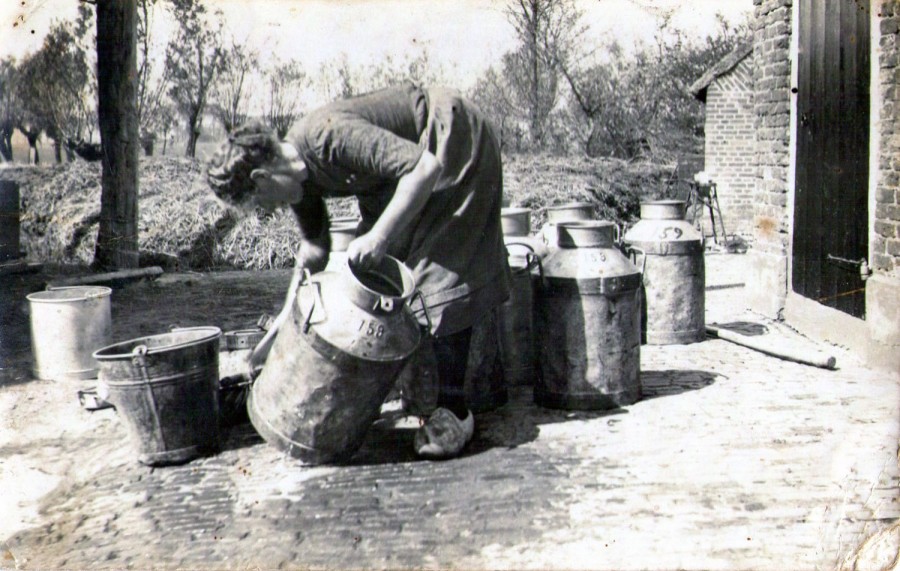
pixel 248 147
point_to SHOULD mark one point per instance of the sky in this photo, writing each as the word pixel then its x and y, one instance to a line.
pixel 464 36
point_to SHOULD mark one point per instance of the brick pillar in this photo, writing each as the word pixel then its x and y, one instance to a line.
pixel 883 288
pixel 768 282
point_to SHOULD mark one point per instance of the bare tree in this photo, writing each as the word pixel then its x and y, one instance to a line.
pixel 194 57
pixel 286 80
pixel 55 86
pixel 231 101
pixel 117 237
pixel 10 107
pixel 152 83
pixel 546 30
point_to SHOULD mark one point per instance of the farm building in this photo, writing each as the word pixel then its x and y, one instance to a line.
pixel 727 91
pixel 826 208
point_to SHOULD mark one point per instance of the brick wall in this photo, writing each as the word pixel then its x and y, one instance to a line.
pixel 731 143
pixel 767 285
pixel 886 241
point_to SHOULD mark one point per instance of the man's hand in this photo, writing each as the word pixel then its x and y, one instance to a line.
pixel 367 251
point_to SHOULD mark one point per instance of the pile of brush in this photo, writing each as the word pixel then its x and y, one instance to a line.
pixel 615 187
pixel 183 226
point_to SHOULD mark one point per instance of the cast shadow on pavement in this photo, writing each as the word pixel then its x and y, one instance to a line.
pixel 390 439
pixel 668 382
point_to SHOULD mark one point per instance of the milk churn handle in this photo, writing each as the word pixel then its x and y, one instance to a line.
pixel 635 250
pixel 418 295
pixel 523 244
pixel 317 298
pixel 534 261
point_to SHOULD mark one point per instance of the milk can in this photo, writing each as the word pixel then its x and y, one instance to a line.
pixel 670 251
pixel 334 361
pixel 569 212
pixel 588 321
pixel 517 346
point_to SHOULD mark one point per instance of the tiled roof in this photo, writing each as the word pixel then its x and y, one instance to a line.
pixel 726 64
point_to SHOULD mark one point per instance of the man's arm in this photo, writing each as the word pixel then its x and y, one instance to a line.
pixel 413 190
pixel 315 240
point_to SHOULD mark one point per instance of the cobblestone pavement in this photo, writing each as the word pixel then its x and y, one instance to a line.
pixel 733 460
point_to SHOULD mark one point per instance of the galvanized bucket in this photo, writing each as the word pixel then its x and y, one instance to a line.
pixel 335 360
pixel 166 390
pixel 67 325
pixel 588 322
pixel 670 251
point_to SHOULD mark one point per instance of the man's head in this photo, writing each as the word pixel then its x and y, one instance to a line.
pixel 248 148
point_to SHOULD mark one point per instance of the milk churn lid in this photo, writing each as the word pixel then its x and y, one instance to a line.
pixel 663 210
pixel 570 211
pixel 586 234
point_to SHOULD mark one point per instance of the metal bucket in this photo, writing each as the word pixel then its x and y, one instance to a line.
pixel 515 221
pixel 9 220
pixel 570 212
pixel 166 390
pixel 670 251
pixel 517 346
pixel 334 361
pixel 67 325
pixel 588 322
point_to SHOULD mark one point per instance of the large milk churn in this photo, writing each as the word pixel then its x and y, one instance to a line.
pixel 517 344
pixel 335 360
pixel 670 251
pixel 588 321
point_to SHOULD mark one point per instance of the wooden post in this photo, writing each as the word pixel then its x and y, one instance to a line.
pixel 117 238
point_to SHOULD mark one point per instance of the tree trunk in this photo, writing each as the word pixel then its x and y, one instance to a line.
pixel 117 237
pixel 193 134
pixel 6 147
pixel 57 151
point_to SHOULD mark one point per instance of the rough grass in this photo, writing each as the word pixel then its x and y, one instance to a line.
pixel 183 226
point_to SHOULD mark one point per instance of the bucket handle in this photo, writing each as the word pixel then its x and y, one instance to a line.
pixel 139 360
pixel 317 298
pixel 534 261
pixel 94 294
pixel 418 295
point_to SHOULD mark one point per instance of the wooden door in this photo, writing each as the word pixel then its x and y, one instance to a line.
pixel 832 177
